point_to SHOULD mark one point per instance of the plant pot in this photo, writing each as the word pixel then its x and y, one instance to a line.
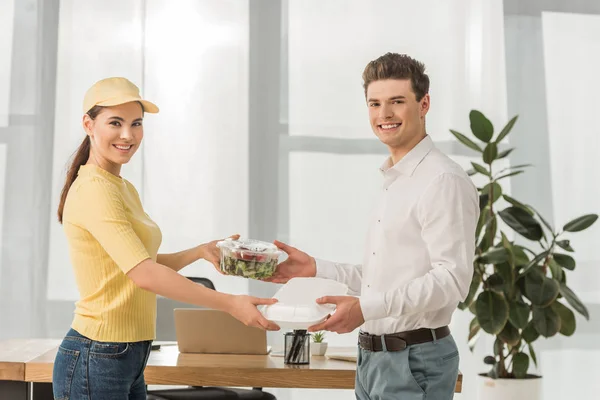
pixel 529 388
pixel 318 349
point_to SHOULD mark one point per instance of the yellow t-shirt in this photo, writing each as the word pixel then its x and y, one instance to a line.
pixel 109 233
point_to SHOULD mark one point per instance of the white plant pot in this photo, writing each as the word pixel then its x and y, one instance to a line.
pixel 510 389
pixel 318 349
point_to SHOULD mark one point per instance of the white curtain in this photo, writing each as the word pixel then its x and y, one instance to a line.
pixel 571 64
pixel 6 42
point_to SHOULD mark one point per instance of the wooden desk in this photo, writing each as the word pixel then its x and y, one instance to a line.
pixel 169 367
pixel 14 354
pixel 26 365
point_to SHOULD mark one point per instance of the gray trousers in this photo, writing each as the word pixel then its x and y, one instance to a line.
pixel 426 371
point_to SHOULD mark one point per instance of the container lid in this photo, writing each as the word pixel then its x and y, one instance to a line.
pixel 249 245
pixel 297 307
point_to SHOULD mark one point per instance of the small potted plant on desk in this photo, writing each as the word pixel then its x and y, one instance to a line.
pixel 319 347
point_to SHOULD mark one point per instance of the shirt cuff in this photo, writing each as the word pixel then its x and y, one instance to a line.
pixel 325 269
pixel 373 306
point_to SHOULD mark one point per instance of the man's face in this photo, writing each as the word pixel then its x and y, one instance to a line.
pixel 396 117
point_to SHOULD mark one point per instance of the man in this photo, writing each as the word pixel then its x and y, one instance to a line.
pixel 418 260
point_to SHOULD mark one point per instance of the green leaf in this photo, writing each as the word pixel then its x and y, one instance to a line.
pixel 495 283
pixel 495 187
pixel 495 255
pixel 490 233
pixel 505 153
pixel 516 203
pixel 546 321
pixel 489 360
pixel 490 153
pixel 520 256
pixel 481 169
pixel 532 354
pixel 505 272
pixel 522 223
pixel 567 318
pixel 474 330
pixel 466 141
pixel 481 127
pixel 534 262
pixel 520 365
pixel 475 282
pixel 574 301
pixel 471 172
pixel 506 129
pixel 564 261
pixel 484 219
pixel 557 271
pixel 541 290
pixel 530 334
pixel 510 334
pixel 519 314
pixel 581 223
pixel 492 311
pixel 565 245
pixel 483 202
pixel 509 174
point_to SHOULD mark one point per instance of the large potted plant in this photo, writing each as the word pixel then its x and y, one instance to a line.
pixel 519 290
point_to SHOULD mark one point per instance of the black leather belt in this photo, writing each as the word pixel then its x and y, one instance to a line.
pixel 399 341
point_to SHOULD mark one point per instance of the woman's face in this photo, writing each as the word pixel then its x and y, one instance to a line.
pixel 115 134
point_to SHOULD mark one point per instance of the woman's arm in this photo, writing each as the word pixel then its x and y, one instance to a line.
pixel 177 261
pixel 206 251
pixel 164 281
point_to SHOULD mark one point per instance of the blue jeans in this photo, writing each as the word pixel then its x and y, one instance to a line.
pixel 421 371
pixel 86 369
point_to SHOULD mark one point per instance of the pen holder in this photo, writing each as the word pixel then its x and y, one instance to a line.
pixel 297 347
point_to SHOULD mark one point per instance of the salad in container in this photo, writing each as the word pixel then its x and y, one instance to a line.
pixel 248 258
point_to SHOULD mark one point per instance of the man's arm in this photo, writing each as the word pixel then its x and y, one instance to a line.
pixel 349 274
pixel 448 212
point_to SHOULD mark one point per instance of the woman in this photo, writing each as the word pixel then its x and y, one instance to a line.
pixel 113 246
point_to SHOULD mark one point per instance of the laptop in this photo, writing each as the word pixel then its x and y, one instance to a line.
pixel 216 332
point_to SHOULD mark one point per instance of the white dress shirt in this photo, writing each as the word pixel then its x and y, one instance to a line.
pixel 420 245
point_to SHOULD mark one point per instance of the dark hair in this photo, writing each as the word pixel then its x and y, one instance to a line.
pixel 398 66
pixel 80 158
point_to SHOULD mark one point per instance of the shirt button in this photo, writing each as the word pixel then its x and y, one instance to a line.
pixel 373 253
pixel 378 220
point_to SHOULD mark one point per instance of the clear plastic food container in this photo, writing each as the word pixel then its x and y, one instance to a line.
pixel 248 258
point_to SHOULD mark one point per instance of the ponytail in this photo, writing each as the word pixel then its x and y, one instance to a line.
pixel 81 157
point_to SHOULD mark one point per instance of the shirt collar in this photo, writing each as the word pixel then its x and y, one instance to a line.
pixel 412 159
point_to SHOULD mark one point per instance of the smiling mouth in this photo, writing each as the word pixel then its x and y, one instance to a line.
pixel 388 127
pixel 123 147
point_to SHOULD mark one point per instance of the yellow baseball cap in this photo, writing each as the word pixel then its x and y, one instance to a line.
pixel 112 92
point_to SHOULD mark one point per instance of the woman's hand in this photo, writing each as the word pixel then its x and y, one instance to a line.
pixel 243 308
pixel 212 254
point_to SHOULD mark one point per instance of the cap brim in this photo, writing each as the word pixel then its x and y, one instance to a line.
pixel 149 107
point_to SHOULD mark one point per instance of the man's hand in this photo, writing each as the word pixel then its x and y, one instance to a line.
pixel 298 264
pixel 212 254
pixel 347 317
pixel 243 308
